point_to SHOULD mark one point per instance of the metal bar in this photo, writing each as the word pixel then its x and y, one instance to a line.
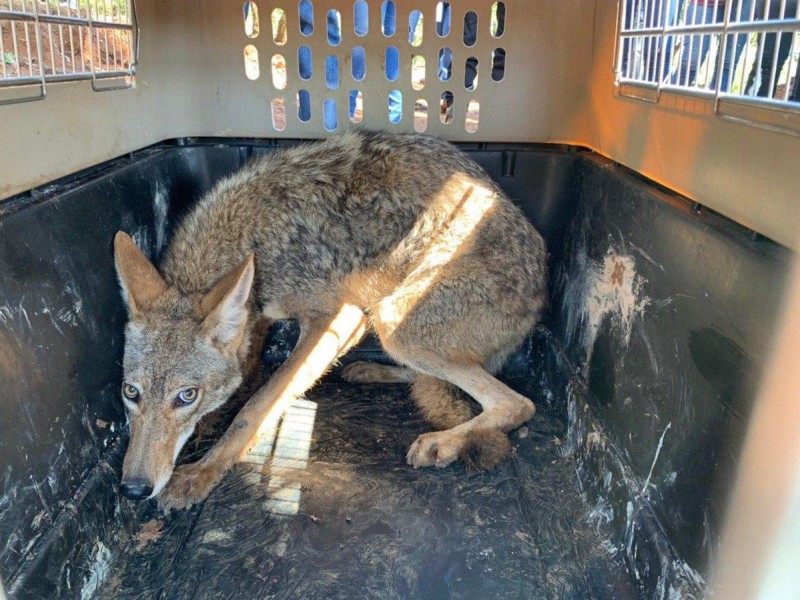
pixel 114 48
pixel 649 85
pixel 735 39
pixel 16 47
pixel 105 35
pixel 617 60
pixel 687 81
pixel 743 27
pixel 788 69
pixel 721 57
pixel 670 87
pixel 3 52
pixel 662 55
pixel 61 41
pixel 72 50
pixel 90 35
pixel 80 41
pixel 759 60
pixel 52 51
pixel 105 31
pixel 62 77
pixel 28 48
pixel 774 66
pixel 770 103
pixel 15 15
pixel 134 32
pixel 39 49
pixel 96 40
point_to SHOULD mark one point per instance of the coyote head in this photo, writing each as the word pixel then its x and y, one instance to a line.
pixel 183 357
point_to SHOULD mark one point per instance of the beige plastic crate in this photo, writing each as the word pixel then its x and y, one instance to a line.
pixel 558 87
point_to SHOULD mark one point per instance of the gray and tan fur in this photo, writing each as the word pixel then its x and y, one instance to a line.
pixel 400 234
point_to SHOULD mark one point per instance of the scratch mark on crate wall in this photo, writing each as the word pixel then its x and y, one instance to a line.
pixel 655 458
pixel 160 207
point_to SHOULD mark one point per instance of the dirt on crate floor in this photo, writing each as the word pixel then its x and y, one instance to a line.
pixel 349 519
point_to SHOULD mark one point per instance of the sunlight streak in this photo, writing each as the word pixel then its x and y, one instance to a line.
pixel 283 450
pixel 462 220
pixel 282 443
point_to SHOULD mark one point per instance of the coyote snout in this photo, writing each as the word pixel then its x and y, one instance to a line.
pixel 182 360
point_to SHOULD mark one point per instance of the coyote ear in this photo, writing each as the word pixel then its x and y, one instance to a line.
pixel 226 304
pixel 139 279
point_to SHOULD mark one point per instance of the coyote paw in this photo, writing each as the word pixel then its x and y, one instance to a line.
pixel 439 448
pixel 190 484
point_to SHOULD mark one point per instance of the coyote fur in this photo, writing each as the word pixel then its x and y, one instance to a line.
pixel 403 235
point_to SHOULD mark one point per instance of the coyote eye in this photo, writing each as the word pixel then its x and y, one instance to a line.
pixel 188 395
pixel 130 392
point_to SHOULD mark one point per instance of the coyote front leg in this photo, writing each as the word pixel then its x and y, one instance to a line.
pixel 322 341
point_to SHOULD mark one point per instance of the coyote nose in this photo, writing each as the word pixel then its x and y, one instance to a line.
pixel 136 489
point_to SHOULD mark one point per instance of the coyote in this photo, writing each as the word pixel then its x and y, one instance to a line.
pixel 402 235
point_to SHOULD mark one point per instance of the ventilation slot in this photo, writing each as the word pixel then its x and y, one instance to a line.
pixel 446 108
pixel 356 106
pixel 421 115
pixel 332 72
pixel 329 114
pixel 497 25
pixel 473 116
pixel 388 18
pixel 305 68
pixel 279 26
pixel 392 63
pixel 442 19
pixel 251 26
pixel 445 64
pixel 251 69
pixel 334 27
pixel 359 63
pixel 415 28
pixel 395 106
pixel 470 29
pixel 498 64
pixel 471 74
pixel 417 72
pixel 305 12
pixel 278 114
pixel 279 72
pixel 361 18
pixel 304 106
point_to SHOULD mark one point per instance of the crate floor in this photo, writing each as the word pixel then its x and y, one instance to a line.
pixel 368 526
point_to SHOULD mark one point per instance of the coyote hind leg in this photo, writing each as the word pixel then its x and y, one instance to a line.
pixel 443 404
pixel 481 442
pixel 369 372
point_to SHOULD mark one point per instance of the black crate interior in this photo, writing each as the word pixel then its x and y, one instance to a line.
pixel 644 380
pixel 645 369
